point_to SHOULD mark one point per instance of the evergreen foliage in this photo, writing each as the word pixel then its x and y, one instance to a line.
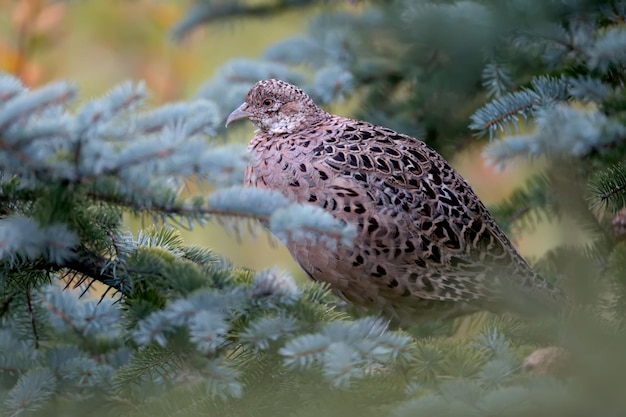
pixel 181 331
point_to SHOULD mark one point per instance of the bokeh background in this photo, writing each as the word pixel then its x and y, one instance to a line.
pixel 98 44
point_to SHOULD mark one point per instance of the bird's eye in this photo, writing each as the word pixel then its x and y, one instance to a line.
pixel 268 102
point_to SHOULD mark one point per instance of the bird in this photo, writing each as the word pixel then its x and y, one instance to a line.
pixel 426 247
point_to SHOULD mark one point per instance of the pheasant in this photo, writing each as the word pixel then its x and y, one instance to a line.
pixel 425 246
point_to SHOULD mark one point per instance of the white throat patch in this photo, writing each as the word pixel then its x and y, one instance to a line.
pixel 285 124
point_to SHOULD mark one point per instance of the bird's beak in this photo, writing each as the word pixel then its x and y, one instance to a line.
pixel 239 113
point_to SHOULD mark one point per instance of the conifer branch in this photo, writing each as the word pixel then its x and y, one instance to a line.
pixel 94 266
pixel 608 188
pixel 12 370
pixel 65 317
pixel 612 192
pixel 6 304
pixel 21 107
pixel 33 321
pixel 205 12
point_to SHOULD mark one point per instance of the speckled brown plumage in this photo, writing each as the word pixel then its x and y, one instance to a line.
pixel 425 245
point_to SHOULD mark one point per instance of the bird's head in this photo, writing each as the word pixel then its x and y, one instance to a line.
pixel 276 107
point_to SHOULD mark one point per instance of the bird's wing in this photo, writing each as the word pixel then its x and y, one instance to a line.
pixel 423 210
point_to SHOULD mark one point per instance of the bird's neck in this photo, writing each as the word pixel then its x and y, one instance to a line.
pixel 295 123
pixel 281 126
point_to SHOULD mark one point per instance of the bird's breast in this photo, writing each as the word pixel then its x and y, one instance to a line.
pixel 289 167
pixel 284 165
